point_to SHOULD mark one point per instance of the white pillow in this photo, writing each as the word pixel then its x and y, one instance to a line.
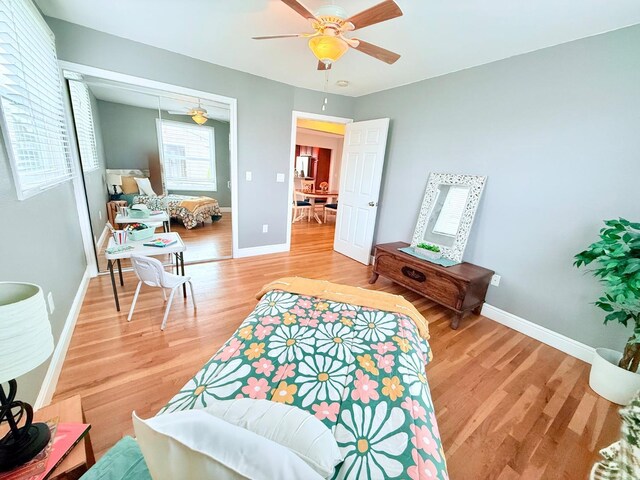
pixel 287 425
pixel 196 444
pixel 144 185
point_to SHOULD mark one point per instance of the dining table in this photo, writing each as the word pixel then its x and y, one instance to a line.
pixel 312 197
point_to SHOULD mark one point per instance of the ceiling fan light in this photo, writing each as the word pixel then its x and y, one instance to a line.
pixel 328 49
pixel 199 118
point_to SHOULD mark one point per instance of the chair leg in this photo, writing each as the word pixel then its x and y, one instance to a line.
pixel 164 294
pixel 325 216
pixel 193 297
pixel 135 299
pixel 166 312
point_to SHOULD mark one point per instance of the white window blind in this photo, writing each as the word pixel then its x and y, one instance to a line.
pixel 188 156
pixel 31 99
pixel 83 119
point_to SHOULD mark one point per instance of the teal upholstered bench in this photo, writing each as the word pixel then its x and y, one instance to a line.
pixel 124 461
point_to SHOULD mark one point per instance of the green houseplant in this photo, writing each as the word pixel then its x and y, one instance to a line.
pixel 616 260
pixel 428 251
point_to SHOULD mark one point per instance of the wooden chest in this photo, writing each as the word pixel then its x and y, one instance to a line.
pixel 462 287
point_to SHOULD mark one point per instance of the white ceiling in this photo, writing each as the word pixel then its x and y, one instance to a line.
pixel 435 37
pixel 142 97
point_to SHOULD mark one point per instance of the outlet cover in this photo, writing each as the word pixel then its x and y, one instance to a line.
pixel 248 176
pixel 52 306
pixel 265 228
pixel 495 280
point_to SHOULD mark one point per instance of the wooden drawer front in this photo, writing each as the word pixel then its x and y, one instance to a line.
pixel 421 280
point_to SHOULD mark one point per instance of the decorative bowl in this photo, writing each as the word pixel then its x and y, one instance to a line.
pixel 427 254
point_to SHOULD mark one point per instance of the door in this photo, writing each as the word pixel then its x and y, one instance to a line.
pixel 360 175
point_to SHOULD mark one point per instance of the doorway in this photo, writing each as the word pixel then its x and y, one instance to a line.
pixel 316 157
pixel 143 136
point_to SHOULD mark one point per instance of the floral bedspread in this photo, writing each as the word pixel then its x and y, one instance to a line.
pixel 173 205
pixel 360 371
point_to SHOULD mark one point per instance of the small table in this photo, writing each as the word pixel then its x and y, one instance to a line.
pixel 153 220
pixel 328 196
pixel 80 458
pixel 140 249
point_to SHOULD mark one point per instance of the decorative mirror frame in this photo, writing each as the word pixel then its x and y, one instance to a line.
pixel 476 184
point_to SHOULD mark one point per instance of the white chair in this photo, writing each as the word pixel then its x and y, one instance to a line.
pixel 300 207
pixel 151 272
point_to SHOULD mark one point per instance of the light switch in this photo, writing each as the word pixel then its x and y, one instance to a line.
pixel 248 176
pixel 280 177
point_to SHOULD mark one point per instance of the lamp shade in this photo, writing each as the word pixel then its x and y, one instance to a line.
pixel 25 332
pixel 114 179
pixel 327 48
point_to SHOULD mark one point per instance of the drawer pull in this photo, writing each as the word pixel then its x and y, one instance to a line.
pixel 413 274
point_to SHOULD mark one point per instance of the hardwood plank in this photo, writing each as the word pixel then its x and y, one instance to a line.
pixel 507 406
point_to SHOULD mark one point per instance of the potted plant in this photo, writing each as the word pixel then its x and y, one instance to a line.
pixel 614 375
pixel 428 251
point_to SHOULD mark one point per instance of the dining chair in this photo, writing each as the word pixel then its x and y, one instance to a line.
pixel 151 272
pixel 300 207
pixel 330 209
pixel 308 186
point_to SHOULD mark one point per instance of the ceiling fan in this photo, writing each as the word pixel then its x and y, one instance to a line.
pixel 330 23
pixel 197 114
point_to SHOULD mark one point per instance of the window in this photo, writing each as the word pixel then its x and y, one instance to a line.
pixel 188 156
pixel 31 100
pixel 83 117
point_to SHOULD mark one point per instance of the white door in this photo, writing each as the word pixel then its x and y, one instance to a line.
pixel 362 161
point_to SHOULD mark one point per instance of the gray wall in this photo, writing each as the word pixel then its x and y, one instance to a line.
pixel 264 115
pixel 557 133
pixel 41 240
pixel 95 181
pixel 131 141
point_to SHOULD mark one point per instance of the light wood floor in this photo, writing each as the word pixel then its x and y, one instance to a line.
pixel 507 406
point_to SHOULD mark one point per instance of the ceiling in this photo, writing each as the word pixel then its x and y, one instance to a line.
pixel 435 37
pixel 136 96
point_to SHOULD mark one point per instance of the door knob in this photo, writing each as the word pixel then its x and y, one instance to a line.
pixel 373 204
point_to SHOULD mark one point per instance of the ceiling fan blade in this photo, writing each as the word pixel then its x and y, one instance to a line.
pixel 299 8
pixel 380 53
pixel 287 35
pixel 176 112
pixel 324 66
pixel 379 13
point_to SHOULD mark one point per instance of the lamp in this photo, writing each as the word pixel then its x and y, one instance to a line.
pixel 327 48
pixel 199 118
pixel 114 180
pixel 25 342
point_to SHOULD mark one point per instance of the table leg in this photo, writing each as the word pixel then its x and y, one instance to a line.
pixel 184 285
pixel 113 284
pixel 120 273
pixel 166 227
pixel 315 213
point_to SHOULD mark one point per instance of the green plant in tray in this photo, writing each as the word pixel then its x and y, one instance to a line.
pixel 428 246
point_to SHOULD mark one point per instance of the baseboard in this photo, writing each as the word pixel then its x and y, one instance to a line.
pixel 50 382
pixel 542 334
pixel 103 237
pixel 225 209
pixel 264 250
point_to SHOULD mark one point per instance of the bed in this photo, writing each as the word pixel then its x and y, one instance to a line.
pixel 354 358
pixel 189 210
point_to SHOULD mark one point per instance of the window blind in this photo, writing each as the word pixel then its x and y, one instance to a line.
pixel 83 119
pixel 188 156
pixel 31 100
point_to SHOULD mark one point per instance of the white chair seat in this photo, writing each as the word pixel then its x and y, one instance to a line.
pixel 151 272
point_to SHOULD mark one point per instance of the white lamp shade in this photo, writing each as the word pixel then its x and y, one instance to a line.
pixel 114 179
pixel 25 332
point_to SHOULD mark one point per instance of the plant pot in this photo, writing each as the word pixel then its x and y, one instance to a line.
pixel 610 381
pixel 427 254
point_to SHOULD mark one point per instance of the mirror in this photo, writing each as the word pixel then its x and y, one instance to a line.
pixel 448 208
pixel 163 149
